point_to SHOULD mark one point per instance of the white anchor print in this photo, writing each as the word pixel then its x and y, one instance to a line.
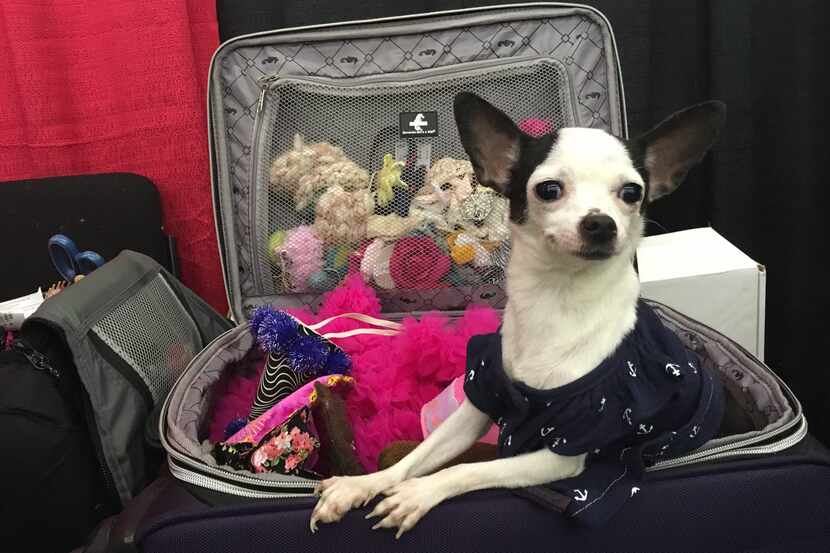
pixel 673 369
pixel 695 431
pixel 471 375
pixel 509 440
pixel 692 366
pixel 644 429
pixel 557 441
pixel 596 452
pixel 601 405
pixel 581 495
pixel 627 416
pixel 548 430
pixel 632 370
pixel 634 491
pixel 548 404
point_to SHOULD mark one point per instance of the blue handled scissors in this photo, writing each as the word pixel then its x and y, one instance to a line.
pixel 69 261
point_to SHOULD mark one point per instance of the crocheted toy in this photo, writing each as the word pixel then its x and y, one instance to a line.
pixel 298 257
pixel 448 182
pixel 341 215
pixel 387 179
pixel 374 265
pixel 309 168
pixel 465 248
pixel 392 226
pixel 452 200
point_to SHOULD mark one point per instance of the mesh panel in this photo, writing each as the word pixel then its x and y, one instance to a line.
pixel 154 334
pixel 356 195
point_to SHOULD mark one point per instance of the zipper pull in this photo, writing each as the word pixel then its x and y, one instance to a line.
pixel 37 359
pixel 265 85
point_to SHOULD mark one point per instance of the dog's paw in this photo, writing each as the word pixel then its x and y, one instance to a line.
pixel 406 503
pixel 340 494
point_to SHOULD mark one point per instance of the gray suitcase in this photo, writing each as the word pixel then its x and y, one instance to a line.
pixel 355 91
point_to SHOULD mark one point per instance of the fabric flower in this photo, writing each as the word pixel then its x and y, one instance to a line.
pixel 292 461
pixel 302 442
pixel 417 263
pixel 259 460
pixel 270 450
pixel 283 441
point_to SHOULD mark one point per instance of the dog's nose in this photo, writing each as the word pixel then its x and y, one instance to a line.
pixel 598 228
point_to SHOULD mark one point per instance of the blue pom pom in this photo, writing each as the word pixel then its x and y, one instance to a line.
pixel 235 426
pixel 338 362
pixel 308 354
pixel 276 331
pixel 258 316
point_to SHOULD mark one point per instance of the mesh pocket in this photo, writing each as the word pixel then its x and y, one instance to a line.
pixel 153 333
pixel 368 175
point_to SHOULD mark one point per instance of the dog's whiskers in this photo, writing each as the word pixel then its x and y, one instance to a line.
pixel 655 223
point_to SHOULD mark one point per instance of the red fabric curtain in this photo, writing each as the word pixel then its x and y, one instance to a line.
pixel 91 87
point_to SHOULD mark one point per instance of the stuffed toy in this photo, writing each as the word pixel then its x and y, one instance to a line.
pixel 452 200
pixel 387 179
pixel 341 215
pixel 298 256
pixel 337 450
pixel 308 169
pixel 393 226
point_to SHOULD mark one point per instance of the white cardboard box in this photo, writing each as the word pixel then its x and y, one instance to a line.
pixel 701 274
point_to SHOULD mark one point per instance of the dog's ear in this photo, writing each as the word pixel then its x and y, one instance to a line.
pixel 490 138
pixel 670 149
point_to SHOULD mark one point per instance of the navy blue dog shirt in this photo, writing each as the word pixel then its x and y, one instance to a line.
pixel 650 399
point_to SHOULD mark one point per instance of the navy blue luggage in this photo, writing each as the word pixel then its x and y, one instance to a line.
pixel 779 503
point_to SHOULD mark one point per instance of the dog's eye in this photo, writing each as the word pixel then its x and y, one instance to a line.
pixel 631 193
pixel 549 190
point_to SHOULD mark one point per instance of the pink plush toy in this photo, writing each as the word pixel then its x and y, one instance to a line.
pixel 535 127
pixel 302 255
pixel 385 402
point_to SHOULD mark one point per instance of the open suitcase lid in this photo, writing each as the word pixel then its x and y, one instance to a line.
pixel 334 148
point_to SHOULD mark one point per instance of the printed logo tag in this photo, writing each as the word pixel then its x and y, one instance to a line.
pixel 418 123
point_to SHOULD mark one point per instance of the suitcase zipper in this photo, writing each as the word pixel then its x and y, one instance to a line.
pixel 222 486
pixel 739 448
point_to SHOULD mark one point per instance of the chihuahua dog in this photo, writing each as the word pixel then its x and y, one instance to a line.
pixel 577 199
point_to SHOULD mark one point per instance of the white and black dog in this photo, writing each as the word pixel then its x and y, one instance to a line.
pixel 576 211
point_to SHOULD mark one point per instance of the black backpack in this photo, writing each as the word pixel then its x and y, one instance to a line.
pixel 80 393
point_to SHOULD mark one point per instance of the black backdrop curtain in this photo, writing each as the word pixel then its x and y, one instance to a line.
pixel 761 187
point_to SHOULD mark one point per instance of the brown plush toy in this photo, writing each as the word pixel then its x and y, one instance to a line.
pixel 337 452
pixel 396 451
